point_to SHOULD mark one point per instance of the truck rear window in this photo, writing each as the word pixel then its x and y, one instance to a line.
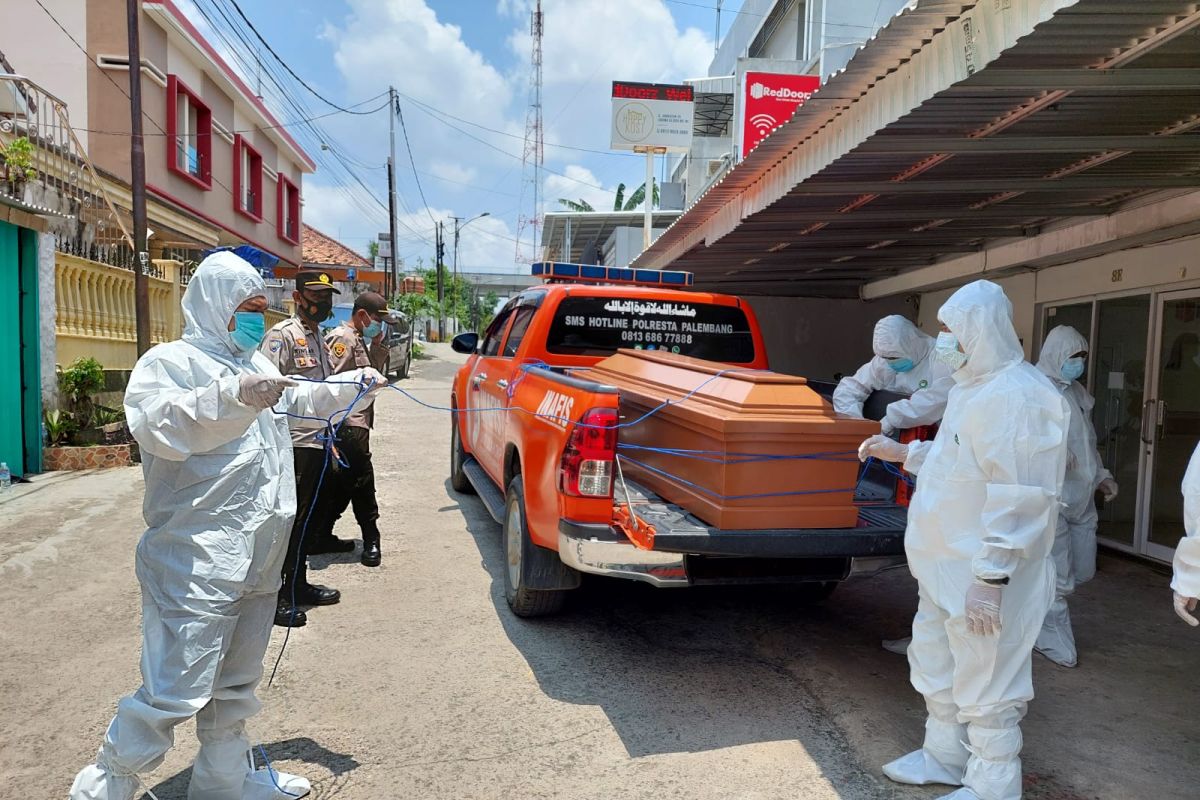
pixel 598 326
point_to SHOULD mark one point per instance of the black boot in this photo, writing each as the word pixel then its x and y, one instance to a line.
pixel 371 554
pixel 313 594
pixel 288 615
pixel 330 544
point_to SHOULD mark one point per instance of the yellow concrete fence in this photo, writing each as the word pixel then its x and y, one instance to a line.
pixel 95 314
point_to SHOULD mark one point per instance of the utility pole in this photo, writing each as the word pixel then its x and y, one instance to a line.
pixel 137 177
pixel 393 274
pixel 441 288
pixel 454 281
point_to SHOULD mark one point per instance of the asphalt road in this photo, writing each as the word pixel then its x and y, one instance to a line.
pixel 420 683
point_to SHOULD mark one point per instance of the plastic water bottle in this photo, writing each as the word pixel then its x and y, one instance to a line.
pixel 5 477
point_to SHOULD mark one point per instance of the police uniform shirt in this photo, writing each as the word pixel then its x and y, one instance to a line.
pixel 347 352
pixel 295 350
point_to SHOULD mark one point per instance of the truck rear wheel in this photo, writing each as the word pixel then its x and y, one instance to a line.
pixel 518 549
pixel 458 478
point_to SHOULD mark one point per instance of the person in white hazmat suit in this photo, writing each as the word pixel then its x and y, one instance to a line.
pixel 904 364
pixel 979 537
pixel 1063 361
pixel 1185 583
pixel 220 497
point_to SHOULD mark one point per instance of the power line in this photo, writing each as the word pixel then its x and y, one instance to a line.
pixel 408 146
pixel 284 64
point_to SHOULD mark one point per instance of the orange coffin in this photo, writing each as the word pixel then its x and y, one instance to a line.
pixel 731 419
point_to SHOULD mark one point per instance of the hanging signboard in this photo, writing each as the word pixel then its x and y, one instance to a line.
pixel 653 116
pixel 769 100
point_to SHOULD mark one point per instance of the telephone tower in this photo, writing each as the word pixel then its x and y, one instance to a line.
pixel 533 155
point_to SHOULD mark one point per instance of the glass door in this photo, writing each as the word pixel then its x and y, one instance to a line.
pixel 1172 426
pixel 1117 371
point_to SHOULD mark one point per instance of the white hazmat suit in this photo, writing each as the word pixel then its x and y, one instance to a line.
pixel 1075 538
pixel 1186 581
pixel 984 515
pixel 220 497
pixel 927 380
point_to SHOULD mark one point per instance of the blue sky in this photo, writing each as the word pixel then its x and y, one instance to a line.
pixel 467 59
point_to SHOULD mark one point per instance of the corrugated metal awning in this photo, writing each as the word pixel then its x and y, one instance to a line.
pixel 958 125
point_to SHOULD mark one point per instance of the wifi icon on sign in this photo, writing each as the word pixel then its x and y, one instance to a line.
pixel 763 123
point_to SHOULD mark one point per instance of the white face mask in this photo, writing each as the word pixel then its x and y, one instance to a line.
pixel 947 350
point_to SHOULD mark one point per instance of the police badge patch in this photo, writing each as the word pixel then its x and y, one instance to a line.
pixel 339 350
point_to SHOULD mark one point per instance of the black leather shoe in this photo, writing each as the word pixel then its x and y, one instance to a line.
pixel 331 544
pixel 288 616
pixel 370 554
pixel 314 595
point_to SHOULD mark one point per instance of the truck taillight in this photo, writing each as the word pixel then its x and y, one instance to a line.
pixel 586 469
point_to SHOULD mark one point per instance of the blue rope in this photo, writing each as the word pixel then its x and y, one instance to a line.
pixel 710 492
pixel 720 457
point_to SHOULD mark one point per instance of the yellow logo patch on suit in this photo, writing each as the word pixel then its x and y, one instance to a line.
pixel 339 350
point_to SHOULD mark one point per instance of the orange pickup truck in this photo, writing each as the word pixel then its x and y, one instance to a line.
pixel 538 444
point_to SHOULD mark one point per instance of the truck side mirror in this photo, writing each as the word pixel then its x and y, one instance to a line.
pixel 465 343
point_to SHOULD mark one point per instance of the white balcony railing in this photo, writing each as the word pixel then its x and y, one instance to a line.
pixel 45 169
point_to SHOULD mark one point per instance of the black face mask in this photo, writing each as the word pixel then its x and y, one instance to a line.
pixel 316 311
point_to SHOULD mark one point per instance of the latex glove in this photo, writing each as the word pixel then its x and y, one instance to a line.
pixel 883 448
pixel 262 391
pixel 983 609
pixel 1183 605
pixel 373 378
pixel 1108 487
pixel 886 427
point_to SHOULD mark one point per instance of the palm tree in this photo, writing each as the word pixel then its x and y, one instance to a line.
pixel 619 202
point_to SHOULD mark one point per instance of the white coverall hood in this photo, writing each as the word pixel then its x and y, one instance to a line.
pixel 980 316
pixel 221 283
pixel 896 337
pixel 1061 343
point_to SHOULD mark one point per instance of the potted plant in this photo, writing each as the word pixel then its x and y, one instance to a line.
pixel 86 435
pixel 18 164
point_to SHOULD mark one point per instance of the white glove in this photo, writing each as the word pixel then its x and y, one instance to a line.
pixel 881 447
pixel 262 391
pixel 983 609
pixel 886 427
pixel 1182 606
pixel 374 379
pixel 1108 487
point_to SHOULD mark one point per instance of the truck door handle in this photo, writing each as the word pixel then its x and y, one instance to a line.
pixel 478 379
pixel 503 384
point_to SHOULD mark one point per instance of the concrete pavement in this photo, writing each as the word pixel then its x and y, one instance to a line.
pixel 420 683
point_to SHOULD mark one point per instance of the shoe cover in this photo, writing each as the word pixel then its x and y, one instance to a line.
pixel 919 768
pixel 267 784
pixel 994 770
pixel 897 646
pixel 96 783
pixel 1056 640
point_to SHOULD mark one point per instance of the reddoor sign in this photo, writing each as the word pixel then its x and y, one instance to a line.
pixel 769 101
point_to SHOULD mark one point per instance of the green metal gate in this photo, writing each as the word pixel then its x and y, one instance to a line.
pixel 20 371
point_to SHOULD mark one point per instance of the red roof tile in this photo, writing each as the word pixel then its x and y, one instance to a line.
pixel 321 250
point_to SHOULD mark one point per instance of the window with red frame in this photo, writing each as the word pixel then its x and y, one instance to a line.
pixel 289 210
pixel 247 179
pixel 189 130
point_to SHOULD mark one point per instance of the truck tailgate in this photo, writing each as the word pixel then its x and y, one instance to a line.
pixel 880 532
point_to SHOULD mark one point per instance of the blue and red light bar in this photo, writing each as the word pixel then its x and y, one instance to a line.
pixel 594 273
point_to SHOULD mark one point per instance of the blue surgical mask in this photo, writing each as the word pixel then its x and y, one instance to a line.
pixel 947 350
pixel 372 330
pixel 1073 369
pixel 249 327
pixel 901 364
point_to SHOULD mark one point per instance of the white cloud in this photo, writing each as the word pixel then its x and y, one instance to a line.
pixel 453 171
pixel 556 187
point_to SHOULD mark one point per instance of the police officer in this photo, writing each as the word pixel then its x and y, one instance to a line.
pixel 296 348
pixel 353 344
